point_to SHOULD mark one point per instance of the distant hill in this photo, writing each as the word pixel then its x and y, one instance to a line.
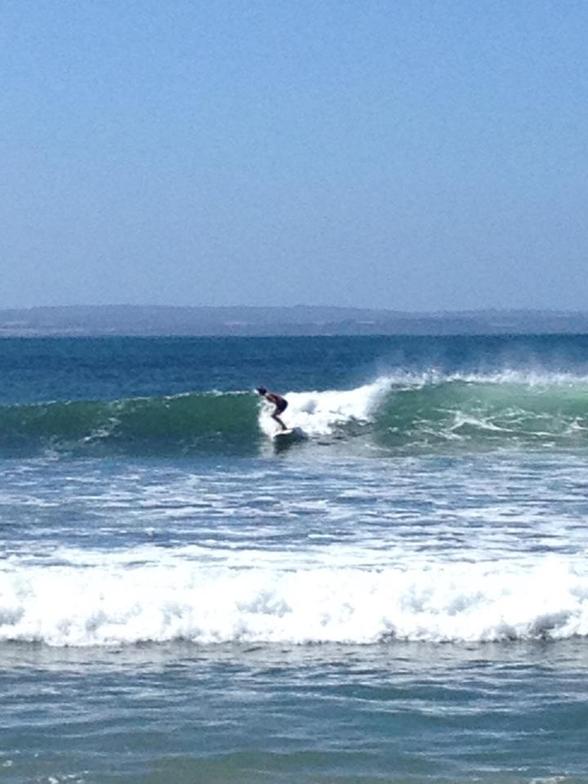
pixel 300 320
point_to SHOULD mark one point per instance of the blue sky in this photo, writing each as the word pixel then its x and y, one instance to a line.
pixel 412 155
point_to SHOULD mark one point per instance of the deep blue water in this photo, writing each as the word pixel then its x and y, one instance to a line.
pixel 402 596
pixel 33 370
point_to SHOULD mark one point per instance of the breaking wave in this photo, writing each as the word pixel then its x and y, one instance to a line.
pixel 183 597
pixel 393 414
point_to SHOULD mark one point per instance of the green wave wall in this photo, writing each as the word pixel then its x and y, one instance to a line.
pixel 483 414
pixel 141 426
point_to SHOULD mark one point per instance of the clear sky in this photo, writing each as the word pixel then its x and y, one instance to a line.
pixel 404 154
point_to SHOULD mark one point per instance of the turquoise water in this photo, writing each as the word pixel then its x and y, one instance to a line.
pixel 401 597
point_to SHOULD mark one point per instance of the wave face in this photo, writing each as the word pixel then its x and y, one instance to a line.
pixel 393 414
pixel 480 412
pixel 136 426
pixel 179 598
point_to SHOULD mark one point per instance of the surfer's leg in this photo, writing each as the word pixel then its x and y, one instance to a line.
pixel 278 420
pixel 281 406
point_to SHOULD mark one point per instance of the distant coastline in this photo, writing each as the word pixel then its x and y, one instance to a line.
pixel 140 320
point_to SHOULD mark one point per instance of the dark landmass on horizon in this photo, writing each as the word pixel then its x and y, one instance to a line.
pixel 140 320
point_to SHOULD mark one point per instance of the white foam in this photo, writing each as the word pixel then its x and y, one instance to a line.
pixel 319 413
pixel 204 603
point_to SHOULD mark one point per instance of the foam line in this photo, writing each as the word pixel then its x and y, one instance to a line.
pixel 126 604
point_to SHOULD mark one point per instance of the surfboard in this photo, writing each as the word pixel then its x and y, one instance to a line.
pixel 289 436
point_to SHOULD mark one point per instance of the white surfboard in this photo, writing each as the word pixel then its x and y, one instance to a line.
pixel 289 436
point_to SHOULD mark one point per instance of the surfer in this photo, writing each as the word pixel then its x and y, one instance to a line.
pixel 280 403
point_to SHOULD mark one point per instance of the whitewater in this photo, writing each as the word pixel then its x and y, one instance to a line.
pixel 146 598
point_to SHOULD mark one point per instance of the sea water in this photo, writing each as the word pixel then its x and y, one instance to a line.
pixel 401 597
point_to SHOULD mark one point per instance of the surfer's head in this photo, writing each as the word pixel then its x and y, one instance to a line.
pixel 261 390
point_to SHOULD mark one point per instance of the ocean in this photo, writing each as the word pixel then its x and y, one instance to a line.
pixel 400 597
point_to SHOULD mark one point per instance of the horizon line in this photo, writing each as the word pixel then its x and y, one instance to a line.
pixel 381 309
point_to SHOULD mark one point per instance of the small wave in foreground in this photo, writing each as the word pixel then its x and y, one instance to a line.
pixel 175 597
